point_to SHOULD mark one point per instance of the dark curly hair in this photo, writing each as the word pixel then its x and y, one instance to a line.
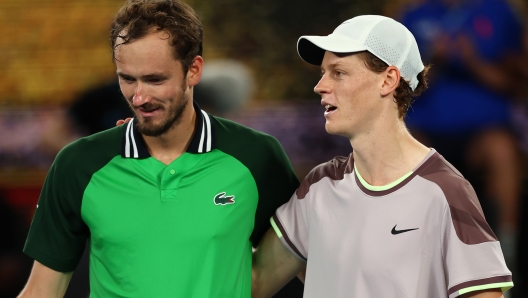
pixel 404 95
pixel 137 18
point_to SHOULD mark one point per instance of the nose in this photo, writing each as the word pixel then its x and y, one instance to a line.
pixel 322 86
pixel 140 96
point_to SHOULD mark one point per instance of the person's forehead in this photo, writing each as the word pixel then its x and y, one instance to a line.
pixel 335 59
pixel 148 55
pixel 154 43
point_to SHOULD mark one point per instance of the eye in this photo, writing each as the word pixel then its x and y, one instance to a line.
pixel 338 73
pixel 155 81
pixel 127 80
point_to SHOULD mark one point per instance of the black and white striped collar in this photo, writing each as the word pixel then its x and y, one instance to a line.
pixel 134 146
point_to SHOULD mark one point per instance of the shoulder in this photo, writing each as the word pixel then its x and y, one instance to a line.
pixel 439 171
pixel 90 150
pixel 464 207
pixel 237 139
pixel 437 166
pixel 261 153
pixel 228 130
pixel 334 169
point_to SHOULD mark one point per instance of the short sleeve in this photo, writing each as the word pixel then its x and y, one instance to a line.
pixel 276 181
pixel 290 223
pixel 58 235
pixel 471 266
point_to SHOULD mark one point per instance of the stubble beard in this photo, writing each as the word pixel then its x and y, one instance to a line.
pixel 147 127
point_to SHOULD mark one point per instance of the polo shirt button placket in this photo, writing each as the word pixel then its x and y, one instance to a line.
pixel 168 188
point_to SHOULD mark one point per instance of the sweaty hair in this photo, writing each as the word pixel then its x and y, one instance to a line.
pixel 137 18
pixel 404 95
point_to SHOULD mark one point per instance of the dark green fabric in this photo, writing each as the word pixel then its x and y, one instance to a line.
pixel 66 181
pixel 271 169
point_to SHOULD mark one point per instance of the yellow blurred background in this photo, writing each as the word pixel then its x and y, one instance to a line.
pixel 52 49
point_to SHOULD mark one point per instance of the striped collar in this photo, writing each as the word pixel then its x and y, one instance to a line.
pixel 133 145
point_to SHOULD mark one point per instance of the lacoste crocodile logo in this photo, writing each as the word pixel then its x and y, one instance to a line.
pixel 222 199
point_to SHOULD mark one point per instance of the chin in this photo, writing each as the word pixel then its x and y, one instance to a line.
pixel 153 128
pixel 337 131
pixel 331 130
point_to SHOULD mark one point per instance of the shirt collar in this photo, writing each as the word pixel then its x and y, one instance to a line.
pixel 133 145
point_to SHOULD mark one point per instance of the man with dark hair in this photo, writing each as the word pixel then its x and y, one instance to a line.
pixel 394 218
pixel 173 201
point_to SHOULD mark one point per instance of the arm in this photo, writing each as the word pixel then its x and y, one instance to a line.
pixel 45 282
pixel 273 266
pixel 491 293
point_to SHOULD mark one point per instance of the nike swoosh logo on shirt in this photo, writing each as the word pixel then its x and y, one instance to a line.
pixel 396 232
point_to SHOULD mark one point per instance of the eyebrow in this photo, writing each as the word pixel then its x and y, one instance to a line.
pixel 145 77
pixel 332 65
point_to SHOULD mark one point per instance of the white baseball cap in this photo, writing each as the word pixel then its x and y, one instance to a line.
pixel 384 37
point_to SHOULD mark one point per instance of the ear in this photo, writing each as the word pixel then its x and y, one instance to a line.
pixel 391 80
pixel 194 74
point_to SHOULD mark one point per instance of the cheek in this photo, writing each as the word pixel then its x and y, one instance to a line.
pixel 359 89
pixel 346 93
pixel 354 97
pixel 168 90
pixel 166 93
pixel 127 90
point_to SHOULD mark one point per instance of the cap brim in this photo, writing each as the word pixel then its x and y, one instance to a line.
pixel 312 48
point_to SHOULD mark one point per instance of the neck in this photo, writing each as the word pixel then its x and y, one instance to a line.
pixel 172 144
pixel 386 152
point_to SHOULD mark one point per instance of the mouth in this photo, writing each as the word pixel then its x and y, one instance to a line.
pixel 329 108
pixel 148 111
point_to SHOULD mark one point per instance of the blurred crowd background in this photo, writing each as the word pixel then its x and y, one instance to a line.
pixel 58 83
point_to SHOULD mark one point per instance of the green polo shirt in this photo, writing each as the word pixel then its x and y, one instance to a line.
pixel 180 230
